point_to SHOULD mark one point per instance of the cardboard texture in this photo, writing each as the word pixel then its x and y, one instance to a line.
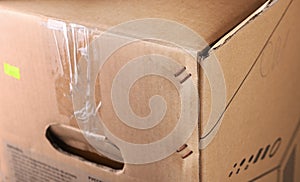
pixel 49 73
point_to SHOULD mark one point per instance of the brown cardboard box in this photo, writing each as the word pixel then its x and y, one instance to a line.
pixel 50 73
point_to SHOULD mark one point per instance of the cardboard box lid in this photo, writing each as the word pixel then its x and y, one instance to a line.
pixel 212 20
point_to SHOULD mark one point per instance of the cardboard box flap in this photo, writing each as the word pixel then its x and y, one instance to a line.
pixel 223 39
pixel 210 19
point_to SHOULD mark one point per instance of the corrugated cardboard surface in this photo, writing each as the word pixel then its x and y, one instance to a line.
pixel 209 19
pixel 35 100
pixel 260 65
pixel 264 108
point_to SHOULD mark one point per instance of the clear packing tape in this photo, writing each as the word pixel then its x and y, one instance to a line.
pixel 72 42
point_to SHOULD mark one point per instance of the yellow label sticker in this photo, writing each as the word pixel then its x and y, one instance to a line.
pixel 12 71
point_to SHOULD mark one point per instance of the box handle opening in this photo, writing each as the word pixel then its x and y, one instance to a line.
pixel 70 141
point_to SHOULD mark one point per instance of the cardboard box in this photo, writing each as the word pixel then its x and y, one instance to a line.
pixel 227 73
